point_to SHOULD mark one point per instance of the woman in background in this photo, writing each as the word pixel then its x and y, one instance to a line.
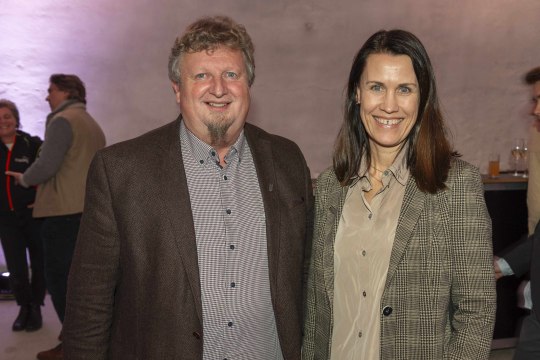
pixel 19 231
pixel 401 259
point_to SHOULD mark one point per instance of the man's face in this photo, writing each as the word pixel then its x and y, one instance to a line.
pixel 56 96
pixel 214 95
pixel 535 111
pixel 536 100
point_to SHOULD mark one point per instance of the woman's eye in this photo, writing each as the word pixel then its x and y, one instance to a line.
pixel 376 88
pixel 404 90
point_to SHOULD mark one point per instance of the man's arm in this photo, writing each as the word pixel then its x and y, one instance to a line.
pixel 518 257
pixel 58 138
pixel 94 273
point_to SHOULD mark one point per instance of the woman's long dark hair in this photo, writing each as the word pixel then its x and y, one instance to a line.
pixel 429 151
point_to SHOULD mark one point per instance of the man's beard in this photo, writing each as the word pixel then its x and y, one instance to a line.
pixel 218 131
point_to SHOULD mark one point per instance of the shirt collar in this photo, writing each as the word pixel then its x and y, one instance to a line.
pixel 398 169
pixel 204 153
pixel 399 166
pixel 65 104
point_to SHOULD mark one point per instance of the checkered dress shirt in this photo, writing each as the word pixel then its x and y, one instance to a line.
pixel 230 229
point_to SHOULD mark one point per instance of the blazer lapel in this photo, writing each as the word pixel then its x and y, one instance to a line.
pixel 336 199
pixel 413 204
pixel 174 195
pixel 261 149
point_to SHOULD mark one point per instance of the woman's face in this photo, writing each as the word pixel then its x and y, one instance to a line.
pixel 389 96
pixel 8 124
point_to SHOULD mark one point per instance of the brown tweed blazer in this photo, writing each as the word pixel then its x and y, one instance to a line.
pixel 439 297
pixel 134 290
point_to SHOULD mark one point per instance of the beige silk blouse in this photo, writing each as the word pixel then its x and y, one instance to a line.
pixel 362 250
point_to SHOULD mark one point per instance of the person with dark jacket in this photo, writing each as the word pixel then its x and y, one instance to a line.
pixel 523 256
pixel 72 137
pixel 19 231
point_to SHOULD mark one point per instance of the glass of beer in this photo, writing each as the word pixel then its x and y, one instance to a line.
pixel 494 165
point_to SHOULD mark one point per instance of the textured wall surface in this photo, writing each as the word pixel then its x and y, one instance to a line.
pixel 304 48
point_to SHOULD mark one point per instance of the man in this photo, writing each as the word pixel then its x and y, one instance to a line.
pixel 519 260
pixel 193 235
pixel 533 190
pixel 72 137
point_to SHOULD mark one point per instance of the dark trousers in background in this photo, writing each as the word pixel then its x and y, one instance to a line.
pixel 59 234
pixel 528 347
pixel 19 232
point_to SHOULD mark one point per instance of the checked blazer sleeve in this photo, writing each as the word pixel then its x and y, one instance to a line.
pixel 473 298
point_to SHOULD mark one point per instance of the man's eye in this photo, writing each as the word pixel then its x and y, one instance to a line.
pixel 200 76
pixel 231 75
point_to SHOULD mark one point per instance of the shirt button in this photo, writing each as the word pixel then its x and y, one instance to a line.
pixel 230 324
pixel 370 216
pixel 231 247
pixel 364 293
pixel 385 172
pixel 225 177
pixel 201 161
pixel 228 211
pixel 363 252
pixel 213 153
pixel 233 284
pixel 359 334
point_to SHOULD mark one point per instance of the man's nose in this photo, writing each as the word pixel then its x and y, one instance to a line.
pixel 536 109
pixel 219 87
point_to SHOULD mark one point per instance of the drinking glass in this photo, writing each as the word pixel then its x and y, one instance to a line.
pixel 524 153
pixel 493 165
pixel 517 151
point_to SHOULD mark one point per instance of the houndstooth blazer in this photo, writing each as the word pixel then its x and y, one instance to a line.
pixel 439 298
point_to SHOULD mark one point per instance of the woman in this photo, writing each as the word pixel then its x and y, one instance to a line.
pixel 401 259
pixel 20 232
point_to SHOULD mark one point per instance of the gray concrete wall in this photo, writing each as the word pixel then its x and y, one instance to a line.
pixel 304 48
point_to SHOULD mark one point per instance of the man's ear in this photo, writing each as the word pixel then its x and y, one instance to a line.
pixel 176 89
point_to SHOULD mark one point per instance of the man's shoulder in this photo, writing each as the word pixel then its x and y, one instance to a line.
pixel 148 142
pixel 68 111
pixel 278 142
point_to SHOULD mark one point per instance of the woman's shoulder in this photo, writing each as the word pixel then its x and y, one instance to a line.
pixel 462 172
pixel 29 139
pixel 327 177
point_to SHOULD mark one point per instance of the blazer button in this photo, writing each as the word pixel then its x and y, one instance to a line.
pixel 387 311
pixel 197 335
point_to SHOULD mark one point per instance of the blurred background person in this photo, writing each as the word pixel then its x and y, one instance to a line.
pixel 533 189
pixel 72 137
pixel 19 231
pixel 518 260
pixel 401 259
